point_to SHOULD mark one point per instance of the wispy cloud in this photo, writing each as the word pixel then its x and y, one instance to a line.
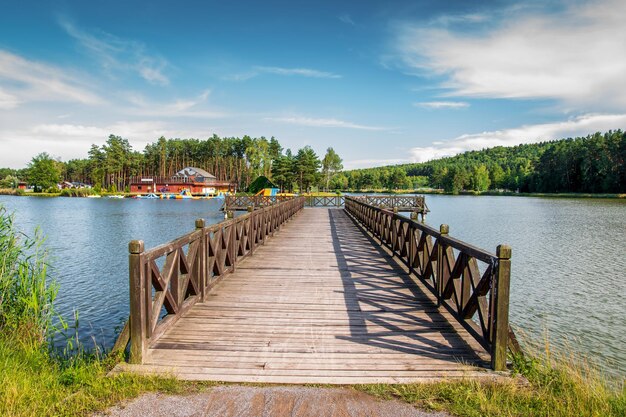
pixel 303 72
pixel 368 163
pixel 194 107
pixel 442 104
pixel 32 81
pixel 117 54
pixel 289 72
pixel 7 101
pixel 315 122
pixel 346 18
pixel 578 126
pixel 453 19
pixel 575 56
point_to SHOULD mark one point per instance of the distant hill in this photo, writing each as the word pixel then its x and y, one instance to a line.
pixel 591 164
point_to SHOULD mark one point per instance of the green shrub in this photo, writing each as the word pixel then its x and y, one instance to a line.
pixel 76 192
pixel 11 191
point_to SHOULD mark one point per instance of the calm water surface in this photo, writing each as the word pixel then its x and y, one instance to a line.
pixel 568 276
pixel 88 245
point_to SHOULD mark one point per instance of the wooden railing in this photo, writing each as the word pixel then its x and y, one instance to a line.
pixel 167 280
pixel 324 201
pixel 451 269
pixel 416 204
pixel 243 202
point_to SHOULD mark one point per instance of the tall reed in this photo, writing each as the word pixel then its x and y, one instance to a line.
pixel 26 296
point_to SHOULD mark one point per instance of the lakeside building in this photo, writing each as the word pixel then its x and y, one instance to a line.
pixel 195 180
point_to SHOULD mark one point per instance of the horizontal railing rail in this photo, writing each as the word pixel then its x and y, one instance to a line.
pixel 471 283
pixel 167 280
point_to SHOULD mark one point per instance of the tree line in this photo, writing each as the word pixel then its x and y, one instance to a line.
pixel 591 164
pixel 112 166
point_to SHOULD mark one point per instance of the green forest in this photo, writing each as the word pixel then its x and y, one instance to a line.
pixel 591 164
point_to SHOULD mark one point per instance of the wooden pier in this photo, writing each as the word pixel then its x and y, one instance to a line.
pixel 317 295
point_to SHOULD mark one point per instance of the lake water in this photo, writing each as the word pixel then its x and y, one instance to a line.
pixel 568 265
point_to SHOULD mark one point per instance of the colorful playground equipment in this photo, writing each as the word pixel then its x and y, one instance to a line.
pixel 150 196
pixel 273 192
pixel 185 194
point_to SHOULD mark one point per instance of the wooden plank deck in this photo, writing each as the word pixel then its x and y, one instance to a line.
pixel 318 303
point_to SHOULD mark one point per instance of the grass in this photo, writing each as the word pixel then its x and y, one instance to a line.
pixel 548 384
pixel 35 383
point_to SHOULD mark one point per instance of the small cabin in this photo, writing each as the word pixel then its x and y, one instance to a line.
pixel 195 180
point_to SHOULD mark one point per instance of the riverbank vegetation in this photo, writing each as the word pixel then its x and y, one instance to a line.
pixel 36 380
pixel 591 164
pixel 548 383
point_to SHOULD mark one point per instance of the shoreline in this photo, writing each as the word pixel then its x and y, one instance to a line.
pixel 493 193
pixel 16 193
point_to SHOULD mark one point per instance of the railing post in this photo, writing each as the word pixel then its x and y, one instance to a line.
pixel 253 231
pixel 138 319
pixel 202 259
pixel 501 310
pixel 233 245
pixel 444 229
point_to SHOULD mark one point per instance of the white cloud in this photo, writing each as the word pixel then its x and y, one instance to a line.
pixel 578 126
pixel 575 56
pixel 303 72
pixel 188 107
pixel 346 18
pixel 315 122
pixel 289 72
pixel 31 81
pixel 7 101
pixel 368 163
pixel 453 19
pixel 117 54
pixel 152 74
pixel 442 104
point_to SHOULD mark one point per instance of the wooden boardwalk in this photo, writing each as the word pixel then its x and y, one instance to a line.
pixel 317 303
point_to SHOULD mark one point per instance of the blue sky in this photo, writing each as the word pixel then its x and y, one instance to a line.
pixel 381 82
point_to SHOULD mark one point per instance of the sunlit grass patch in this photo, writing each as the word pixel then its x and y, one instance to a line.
pixel 544 383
